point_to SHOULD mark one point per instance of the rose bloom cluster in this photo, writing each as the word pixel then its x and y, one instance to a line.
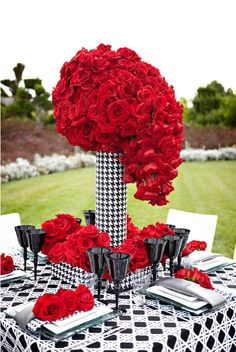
pixel 194 246
pixel 52 306
pixel 74 249
pixel 135 246
pixel 6 264
pixel 58 229
pixel 196 276
pixel 112 101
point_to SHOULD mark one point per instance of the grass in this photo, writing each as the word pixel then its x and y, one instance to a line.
pixel 207 187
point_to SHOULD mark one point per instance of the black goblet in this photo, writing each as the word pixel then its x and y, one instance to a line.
pixel 98 263
pixel 78 220
pixel 89 216
pixel 172 249
pixel 118 264
pixel 184 233
pixel 155 249
pixel 172 227
pixel 36 239
pixel 21 233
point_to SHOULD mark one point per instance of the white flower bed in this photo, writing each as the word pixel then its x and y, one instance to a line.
pixel 208 154
pixel 43 165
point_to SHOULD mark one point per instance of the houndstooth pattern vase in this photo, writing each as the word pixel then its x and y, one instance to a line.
pixel 111 197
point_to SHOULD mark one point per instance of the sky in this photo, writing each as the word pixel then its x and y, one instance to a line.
pixel 192 42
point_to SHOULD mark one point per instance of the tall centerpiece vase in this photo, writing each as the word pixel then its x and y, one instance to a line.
pixel 111 197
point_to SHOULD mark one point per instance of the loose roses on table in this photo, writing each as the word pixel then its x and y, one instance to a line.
pixel 194 246
pixel 7 264
pixel 196 276
pixel 112 101
pixel 52 307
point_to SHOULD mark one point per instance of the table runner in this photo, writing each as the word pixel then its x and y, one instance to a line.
pixel 144 328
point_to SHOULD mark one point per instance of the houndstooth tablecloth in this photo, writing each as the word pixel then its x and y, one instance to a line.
pixel 143 328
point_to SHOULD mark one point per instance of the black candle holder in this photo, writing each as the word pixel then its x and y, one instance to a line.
pixel 89 216
pixel 78 220
pixel 21 233
pixel 118 264
pixel 98 263
pixel 172 249
pixel 155 249
pixel 35 240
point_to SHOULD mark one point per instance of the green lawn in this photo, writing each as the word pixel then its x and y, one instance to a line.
pixel 204 187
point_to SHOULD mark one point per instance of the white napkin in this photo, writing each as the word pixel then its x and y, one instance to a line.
pixel 188 301
pixel 16 274
pixel 59 326
pixel 205 261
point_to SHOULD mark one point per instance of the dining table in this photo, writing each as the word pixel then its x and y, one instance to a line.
pixel 143 326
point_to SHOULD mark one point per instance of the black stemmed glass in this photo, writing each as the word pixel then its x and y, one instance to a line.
pixel 35 240
pixel 89 216
pixel 118 264
pixel 21 233
pixel 184 233
pixel 155 249
pixel 172 249
pixel 78 220
pixel 98 263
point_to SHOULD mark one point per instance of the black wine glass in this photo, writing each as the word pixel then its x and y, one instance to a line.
pixel 78 220
pixel 98 263
pixel 35 240
pixel 21 233
pixel 118 264
pixel 172 249
pixel 184 233
pixel 89 216
pixel 155 249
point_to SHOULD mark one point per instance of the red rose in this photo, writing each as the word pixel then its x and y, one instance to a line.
pixel 85 298
pixel 70 299
pixel 57 253
pixel 7 264
pixel 83 261
pixel 49 307
pixel 103 240
pixel 193 246
pixel 205 281
pixel 182 273
pixel 118 111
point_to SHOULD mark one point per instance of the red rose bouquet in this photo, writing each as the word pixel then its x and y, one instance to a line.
pixel 74 249
pixel 194 246
pixel 112 101
pixel 196 276
pixel 57 230
pixel 6 265
pixel 52 306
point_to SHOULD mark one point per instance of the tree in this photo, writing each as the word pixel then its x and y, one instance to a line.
pixel 26 98
pixel 212 105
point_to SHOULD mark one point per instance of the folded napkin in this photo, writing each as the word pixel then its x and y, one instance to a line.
pixel 192 289
pixel 14 275
pixel 24 317
pixel 21 313
pixel 205 260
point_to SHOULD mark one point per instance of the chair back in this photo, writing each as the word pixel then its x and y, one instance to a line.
pixel 8 238
pixel 202 226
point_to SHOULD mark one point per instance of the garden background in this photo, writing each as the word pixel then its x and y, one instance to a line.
pixel 201 71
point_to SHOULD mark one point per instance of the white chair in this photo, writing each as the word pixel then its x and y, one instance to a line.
pixel 8 237
pixel 202 226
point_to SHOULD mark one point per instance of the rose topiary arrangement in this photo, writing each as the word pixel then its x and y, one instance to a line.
pixel 112 101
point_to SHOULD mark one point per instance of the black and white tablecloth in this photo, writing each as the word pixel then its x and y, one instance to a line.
pixel 141 328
